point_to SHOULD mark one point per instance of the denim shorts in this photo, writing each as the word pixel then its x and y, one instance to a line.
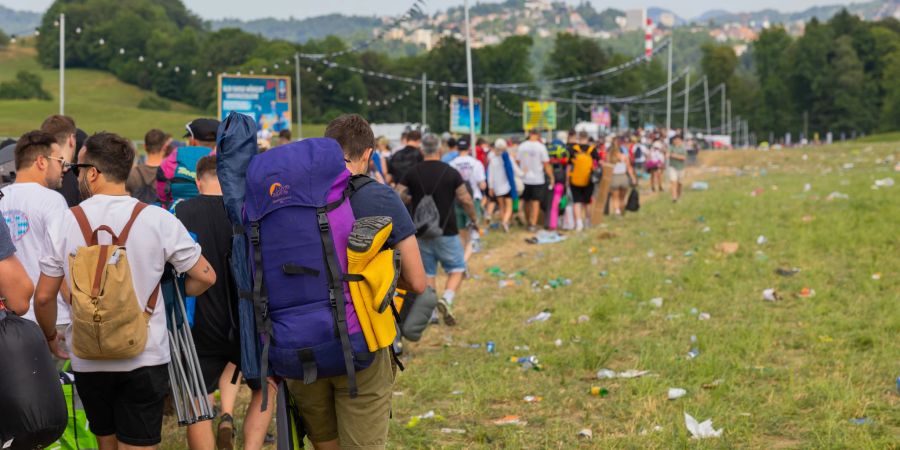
pixel 447 250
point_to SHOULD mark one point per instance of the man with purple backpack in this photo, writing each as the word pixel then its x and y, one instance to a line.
pixel 303 218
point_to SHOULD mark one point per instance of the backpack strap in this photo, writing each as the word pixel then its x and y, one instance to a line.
pixel 83 223
pixel 123 235
pixel 336 295
pixel 261 310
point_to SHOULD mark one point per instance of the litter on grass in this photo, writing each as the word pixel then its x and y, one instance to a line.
pixel 861 421
pixel 605 374
pixel 452 431
pixel 807 293
pixel 837 196
pixel 787 272
pixel 586 433
pixel 728 248
pixel 761 240
pixel 509 420
pixel 676 393
pixel 700 186
pixel 876 276
pixel 430 415
pixel 716 383
pixel 546 237
pixel 656 302
pixel 599 391
pixel 532 399
pixel 583 319
pixel 771 295
pixel 701 430
pixel 703 316
pixel 884 182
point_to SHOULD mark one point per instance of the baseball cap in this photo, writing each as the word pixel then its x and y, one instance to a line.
pixel 462 144
pixel 202 129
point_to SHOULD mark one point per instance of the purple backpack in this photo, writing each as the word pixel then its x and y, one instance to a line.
pixel 298 218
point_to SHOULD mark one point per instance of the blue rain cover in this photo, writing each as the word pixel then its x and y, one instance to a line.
pixel 235 147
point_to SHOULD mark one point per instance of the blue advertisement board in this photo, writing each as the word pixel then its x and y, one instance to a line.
pixel 459 114
pixel 267 99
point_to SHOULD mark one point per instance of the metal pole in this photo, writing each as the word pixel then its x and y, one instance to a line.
pixel 469 76
pixel 736 127
pixel 62 64
pixel 724 87
pixel 573 110
pixel 728 123
pixel 487 110
pixel 687 98
pixel 424 101
pixel 706 96
pixel 299 97
pixel 669 87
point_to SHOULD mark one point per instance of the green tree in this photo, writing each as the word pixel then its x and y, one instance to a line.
pixel 4 39
pixel 776 112
pixel 850 110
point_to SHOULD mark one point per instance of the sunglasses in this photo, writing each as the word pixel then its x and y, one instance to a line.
pixel 76 168
pixel 60 159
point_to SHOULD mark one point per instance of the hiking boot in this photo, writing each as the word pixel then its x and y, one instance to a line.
pixel 225 434
pixel 364 232
pixel 443 309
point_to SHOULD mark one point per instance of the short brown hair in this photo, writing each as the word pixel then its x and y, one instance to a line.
pixel 285 134
pixel 206 166
pixel 31 145
pixel 111 154
pixel 353 133
pixel 414 135
pixel 154 140
pixel 61 127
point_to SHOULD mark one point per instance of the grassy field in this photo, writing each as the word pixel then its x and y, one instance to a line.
pixel 96 100
pixel 788 374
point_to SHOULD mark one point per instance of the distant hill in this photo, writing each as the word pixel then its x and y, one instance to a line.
pixel 872 10
pixel 14 22
pixel 302 30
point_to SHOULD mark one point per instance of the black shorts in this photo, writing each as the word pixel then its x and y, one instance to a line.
pixel 128 405
pixel 582 194
pixel 536 192
pixel 212 367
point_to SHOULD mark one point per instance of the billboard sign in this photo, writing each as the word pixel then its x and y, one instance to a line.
pixel 538 115
pixel 459 114
pixel 267 99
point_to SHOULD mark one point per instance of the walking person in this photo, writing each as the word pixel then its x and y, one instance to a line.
pixel 407 157
pixel 502 176
pixel 535 163
pixel 444 187
pixel 677 157
pixel 559 164
pixel 656 164
pixel 583 159
pixel 622 173
pixel 122 376
pixel 472 173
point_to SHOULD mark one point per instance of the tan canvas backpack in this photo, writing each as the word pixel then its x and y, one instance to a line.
pixel 107 321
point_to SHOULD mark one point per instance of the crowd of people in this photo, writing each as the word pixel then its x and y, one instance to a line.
pixel 74 192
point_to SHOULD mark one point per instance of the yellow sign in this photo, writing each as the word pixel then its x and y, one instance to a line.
pixel 538 115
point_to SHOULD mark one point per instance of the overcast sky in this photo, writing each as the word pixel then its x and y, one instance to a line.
pixel 216 9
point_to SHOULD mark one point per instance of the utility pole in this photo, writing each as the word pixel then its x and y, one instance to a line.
pixel 62 64
pixel 687 98
pixel 737 130
pixel 728 111
pixel 487 110
pixel 724 87
pixel 573 110
pixel 469 75
pixel 424 101
pixel 806 125
pixel 669 87
pixel 299 97
pixel 706 101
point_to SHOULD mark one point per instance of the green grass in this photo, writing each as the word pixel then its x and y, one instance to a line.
pixel 794 372
pixel 95 99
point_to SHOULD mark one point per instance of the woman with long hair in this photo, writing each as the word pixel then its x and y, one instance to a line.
pixel 623 175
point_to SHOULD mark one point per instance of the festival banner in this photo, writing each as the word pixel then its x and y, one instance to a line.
pixel 267 99
pixel 459 114
pixel 538 115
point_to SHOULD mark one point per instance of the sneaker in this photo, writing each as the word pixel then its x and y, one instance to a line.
pixel 446 315
pixel 532 228
pixel 225 434
pixel 506 228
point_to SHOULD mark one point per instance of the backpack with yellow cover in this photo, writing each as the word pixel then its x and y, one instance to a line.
pixel 582 163
pixel 107 320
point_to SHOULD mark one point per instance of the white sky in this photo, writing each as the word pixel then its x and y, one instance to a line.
pixel 215 9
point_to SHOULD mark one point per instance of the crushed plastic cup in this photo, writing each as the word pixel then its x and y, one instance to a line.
pixel 861 421
pixel 508 283
pixel 676 393
pixel 594 260
pixel 771 295
pixel 694 311
pixel 693 353
pixel 701 430
pixel 542 316
pixel 426 416
pixel 656 302
pixel 651 254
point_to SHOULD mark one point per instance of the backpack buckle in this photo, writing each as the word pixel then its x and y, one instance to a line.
pixel 323 222
pixel 254 234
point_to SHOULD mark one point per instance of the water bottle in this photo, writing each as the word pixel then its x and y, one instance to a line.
pixel 475 238
pixel 490 346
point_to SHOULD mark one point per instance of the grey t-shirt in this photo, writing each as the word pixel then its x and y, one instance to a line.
pixel 7 248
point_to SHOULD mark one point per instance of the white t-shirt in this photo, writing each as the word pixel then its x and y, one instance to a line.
pixel 156 237
pixel 532 156
pixel 472 171
pixel 28 208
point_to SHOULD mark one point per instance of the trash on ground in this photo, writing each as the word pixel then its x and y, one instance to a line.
pixel 583 319
pixel 771 295
pixel 558 342
pixel 837 196
pixel 694 311
pixel 599 391
pixel 651 254
pixel 704 316
pixel 701 430
pixel 825 339
pixel 398 394
pixel 416 419
pixel 532 399
pixel 604 273
pixel 656 302
pixel 654 429
pixel 884 182
pixel 676 393
pixel 523 348
pixel 728 248
pixel 706 229
pixel 540 317
pixel 861 421
pixel 452 431
pixel 700 186
pixel 808 218
pixel 586 433
pixel 490 346
pixel 507 283
pixel 457 392
pixel 546 237
pixel 876 276
pixel 673 316
pixel 848 166
pixel 716 383
pixel 495 271
pixel 604 374
pixel 761 240
pixel 807 187
pixel 787 272
pixel 757 192
pixel 526 362
pixel 509 420
pixel 807 293
pixel 592 250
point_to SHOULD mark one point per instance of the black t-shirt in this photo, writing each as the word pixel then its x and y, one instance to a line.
pixel 376 199
pixel 215 319
pixel 441 181
pixel 69 189
pixel 405 159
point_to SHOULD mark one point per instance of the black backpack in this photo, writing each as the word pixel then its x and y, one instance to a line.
pixel 427 217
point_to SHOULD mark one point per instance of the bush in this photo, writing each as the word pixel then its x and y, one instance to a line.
pixel 27 85
pixel 155 103
pixel 4 40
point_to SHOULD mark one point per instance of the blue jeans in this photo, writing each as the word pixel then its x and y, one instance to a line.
pixel 447 250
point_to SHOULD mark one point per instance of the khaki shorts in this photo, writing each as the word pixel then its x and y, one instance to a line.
pixel 675 175
pixel 329 413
